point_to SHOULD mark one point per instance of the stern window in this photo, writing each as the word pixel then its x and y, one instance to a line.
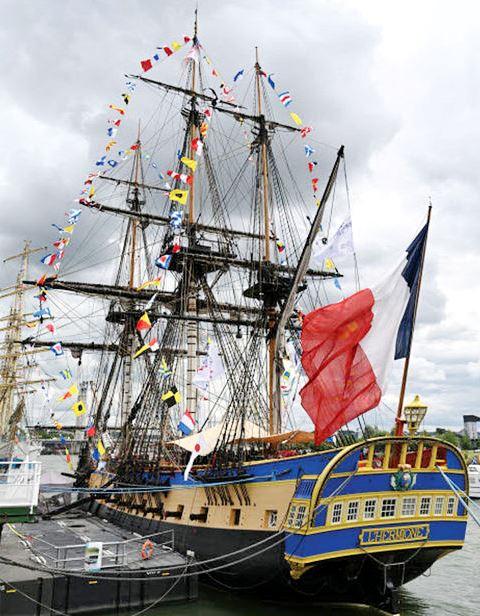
pixel 388 507
pixel 337 513
pixel 291 515
pixel 409 504
pixel 352 513
pixel 369 509
pixel 450 505
pixel 301 513
pixel 271 518
pixel 439 501
pixel 425 505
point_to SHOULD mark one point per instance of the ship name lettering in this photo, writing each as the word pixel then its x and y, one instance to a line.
pixel 394 534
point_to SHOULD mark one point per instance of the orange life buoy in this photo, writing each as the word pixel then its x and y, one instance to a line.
pixel 147 550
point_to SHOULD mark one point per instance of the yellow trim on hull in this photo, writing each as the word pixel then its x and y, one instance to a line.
pixel 307 560
pixel 381 471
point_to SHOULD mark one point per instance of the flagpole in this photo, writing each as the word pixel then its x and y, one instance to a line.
pixel 399 422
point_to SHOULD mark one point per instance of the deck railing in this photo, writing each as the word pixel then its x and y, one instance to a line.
pixel 114 553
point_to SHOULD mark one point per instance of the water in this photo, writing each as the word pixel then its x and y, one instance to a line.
pixel 451 588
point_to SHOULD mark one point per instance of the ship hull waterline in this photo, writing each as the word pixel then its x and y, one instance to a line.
pixel 353 524
pixel 356 578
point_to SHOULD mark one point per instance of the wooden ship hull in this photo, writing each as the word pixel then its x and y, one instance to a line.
pixel 356 522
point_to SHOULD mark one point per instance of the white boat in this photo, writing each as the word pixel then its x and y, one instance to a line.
pixel 474 479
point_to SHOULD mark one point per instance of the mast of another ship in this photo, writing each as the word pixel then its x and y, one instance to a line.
pixel 10 359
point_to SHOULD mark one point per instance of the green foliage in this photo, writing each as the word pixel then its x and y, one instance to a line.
pixel 374 431
pixel 451 438
pixel 465 442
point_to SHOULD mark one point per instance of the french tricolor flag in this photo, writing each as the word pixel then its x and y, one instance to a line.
pixel 187 423
pixel 349 347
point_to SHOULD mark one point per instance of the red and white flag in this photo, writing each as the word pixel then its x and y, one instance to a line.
pixel 349 347
pixel 201 448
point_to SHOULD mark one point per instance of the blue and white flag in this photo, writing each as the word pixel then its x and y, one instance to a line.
pixel 411 275
pixel 239 75
pixel 57 349
pixel 43 312
pixel 340 245
pixel 187 423
pixel 163 261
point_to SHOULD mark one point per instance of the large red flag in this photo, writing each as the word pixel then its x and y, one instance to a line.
pixel 342 384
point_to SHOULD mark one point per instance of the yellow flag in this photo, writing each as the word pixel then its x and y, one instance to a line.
pixel 150 283
pixel 71 392
pixel 190 163
pixel 296 119
pixel 175 46
pixel 100 447
pixel 79 408
pixel 91 192
pixel 69 229
pixel 329 264
pixel 141 350
pixel 119 109
pixel 179 195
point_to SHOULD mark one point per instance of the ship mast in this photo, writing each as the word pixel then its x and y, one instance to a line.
pixel 192 326
pixel 273 414
pixel 263 141
pixel 134 202
pixel 10 359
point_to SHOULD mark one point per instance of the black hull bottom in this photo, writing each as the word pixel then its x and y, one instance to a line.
pixel 353 579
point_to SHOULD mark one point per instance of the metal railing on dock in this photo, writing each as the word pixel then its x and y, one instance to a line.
pixel 114 553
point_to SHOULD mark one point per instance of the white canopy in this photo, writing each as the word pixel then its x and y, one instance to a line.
pixel 211 436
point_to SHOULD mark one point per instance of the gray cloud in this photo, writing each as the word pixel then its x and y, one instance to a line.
pixel 404 102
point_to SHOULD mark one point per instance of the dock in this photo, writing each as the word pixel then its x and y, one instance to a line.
pixel 60 576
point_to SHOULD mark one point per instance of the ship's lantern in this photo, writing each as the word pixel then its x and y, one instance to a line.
pixel 414 414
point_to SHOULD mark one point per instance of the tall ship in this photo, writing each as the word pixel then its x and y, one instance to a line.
pixel 223 322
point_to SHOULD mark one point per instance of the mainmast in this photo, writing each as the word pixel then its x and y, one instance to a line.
pixel 135 204
pixel 192 326
pixel 263 136
pixel 273 415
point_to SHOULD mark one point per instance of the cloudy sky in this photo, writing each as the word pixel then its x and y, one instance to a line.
pixel 397 83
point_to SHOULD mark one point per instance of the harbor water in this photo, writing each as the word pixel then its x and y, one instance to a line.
pixel 450 588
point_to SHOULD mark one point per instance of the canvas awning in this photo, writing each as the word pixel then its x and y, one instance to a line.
pixel 286 438
pixel 251 432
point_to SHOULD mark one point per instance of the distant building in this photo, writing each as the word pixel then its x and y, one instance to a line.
pixel 470 426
